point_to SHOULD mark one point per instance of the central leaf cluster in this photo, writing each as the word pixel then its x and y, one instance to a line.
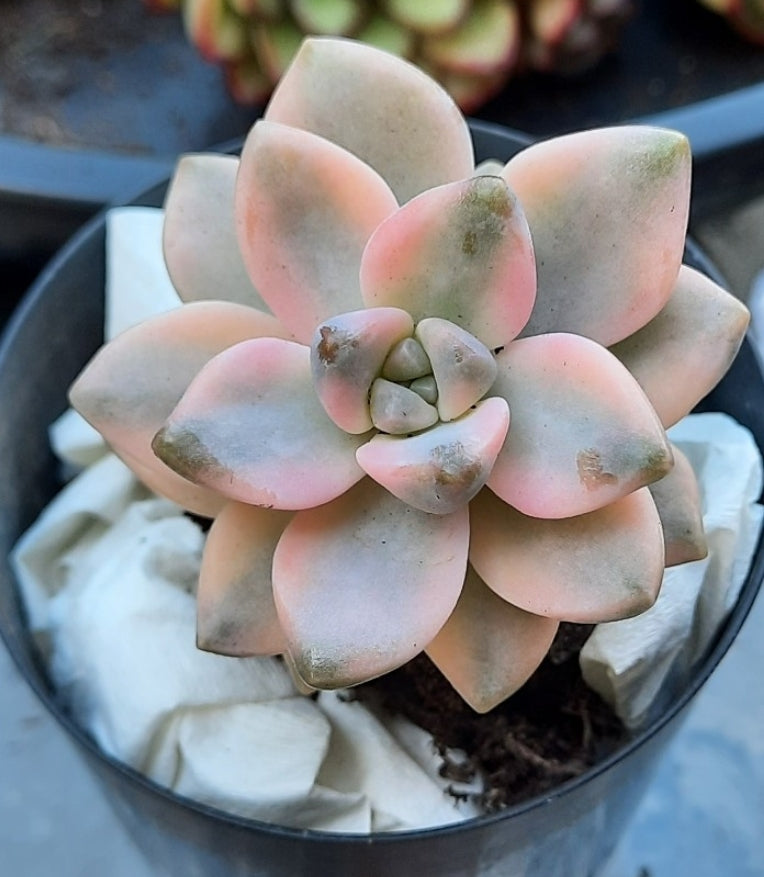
pixel 375 369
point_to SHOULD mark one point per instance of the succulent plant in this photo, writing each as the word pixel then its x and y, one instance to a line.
pixel 471 46
pixel 162 5
pixel 746 16
pixel 439 423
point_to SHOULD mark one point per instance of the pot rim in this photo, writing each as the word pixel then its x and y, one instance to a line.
pixel 35 676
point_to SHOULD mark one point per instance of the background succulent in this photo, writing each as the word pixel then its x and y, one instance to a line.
pixel 471 46
pixel 746 16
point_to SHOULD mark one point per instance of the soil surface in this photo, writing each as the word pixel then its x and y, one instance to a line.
pixel 550 731
pixel 44 45
pixel 108 74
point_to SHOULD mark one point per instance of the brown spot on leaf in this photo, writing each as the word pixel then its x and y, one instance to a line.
pixel 454 467
pixel 590 470
pixel 184 453
pixel 469 243
pixel 333 344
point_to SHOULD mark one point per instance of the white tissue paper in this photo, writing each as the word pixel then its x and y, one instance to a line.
pixel 108 573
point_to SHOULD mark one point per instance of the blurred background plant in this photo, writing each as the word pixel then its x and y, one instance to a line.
pixel 473 47
pixel 746 16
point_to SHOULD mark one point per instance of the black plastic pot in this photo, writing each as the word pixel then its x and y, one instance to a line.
pixel 567 833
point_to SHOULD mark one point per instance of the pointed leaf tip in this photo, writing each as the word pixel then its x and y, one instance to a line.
pixel 332 89
pixel 489 648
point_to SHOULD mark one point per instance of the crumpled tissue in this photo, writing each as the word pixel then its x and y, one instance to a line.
pixel 640 664
pixel 108 573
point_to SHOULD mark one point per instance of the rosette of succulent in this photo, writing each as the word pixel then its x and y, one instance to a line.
pixel 425 404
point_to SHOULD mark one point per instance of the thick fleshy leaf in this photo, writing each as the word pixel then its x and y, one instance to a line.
pixel 677 498
pixel 489 648
pixel 333 89
pixel 363 584
pixel 346 355
pixel 441 469
pixel 583 432
pixel 463 367
pixel 305 209
pixel 461 252
pixel 119 394
pixel 250 426
pixel 235 612
pixel 608 214
pixel 601 566
pixel 397 410
pixel 681 354
pixel 201 250
pixel 406 361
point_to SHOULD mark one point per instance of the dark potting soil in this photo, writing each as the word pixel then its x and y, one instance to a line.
pixel 49 47
pixel 550 731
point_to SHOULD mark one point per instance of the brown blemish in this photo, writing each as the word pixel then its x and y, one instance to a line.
pixel 492 194
pixel 454 467
pixel 658 463
pixel 469 243
pixel 185 454
pixel 590 470
pixel 333 344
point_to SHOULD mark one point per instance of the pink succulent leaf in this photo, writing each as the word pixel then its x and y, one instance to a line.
pixel 346 355
pixel 251 427
pixel 463 367
pixel 677 498
pixel 489 648
pixel 363 584
pixel 583 432
pixel 601 566
pixel 441 469
pixel 462 252
pixel 119 394
pixel 411 131
pixel 305 209
pixel 236 614
pixel 683 352
pixel 201 250
pixel 608 215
